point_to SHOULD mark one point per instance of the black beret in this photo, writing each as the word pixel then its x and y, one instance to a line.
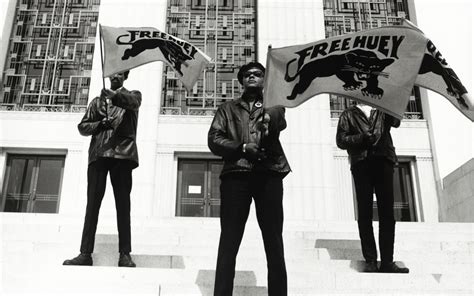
pixel 248 66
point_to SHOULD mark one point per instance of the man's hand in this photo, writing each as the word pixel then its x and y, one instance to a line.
pixel 368 138
pixel 254 152
pixel 262 124
pixel 106 93
pixel 106 124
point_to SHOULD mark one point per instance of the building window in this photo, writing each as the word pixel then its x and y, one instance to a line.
pixel 198 188
pixel 211 26
pixel 404 207
pixel 404 201
pixel 346 16
pixel 53 43
pixel 32 183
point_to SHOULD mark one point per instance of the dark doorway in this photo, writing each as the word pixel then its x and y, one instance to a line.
pixel 198 188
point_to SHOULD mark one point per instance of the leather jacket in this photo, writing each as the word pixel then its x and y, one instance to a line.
pixel 234 125
pixel 118 141
pixel 353 123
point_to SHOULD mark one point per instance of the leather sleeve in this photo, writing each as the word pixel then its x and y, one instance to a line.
pixel 395 122
pixel 344 138
pixel 219 142
pixel 129 100
pixel 90 122
pixel 277 120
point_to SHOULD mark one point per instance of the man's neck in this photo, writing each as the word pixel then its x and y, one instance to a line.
pixel 252 96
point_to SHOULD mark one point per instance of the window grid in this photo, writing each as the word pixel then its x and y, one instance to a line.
pixel 50 55
pixel 225 31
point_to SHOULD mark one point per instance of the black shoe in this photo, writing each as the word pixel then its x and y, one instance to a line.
pixel 371 266
pixel 81 259
pixel 125 260
pixel 393 268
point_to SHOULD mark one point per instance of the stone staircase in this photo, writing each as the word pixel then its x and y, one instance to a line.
pixel 177 257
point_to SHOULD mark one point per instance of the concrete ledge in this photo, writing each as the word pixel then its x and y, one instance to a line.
pixel 457 197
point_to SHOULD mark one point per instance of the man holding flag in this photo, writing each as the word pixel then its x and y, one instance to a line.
pixel 247 138
pixel 365 133
pixel 111 119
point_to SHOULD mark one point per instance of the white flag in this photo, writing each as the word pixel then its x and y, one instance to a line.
pixel 127 48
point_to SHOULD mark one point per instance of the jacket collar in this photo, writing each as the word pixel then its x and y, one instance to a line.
pixel 241 102
pixel 362 114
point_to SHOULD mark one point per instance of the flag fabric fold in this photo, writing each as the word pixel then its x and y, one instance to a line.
pixel 378 67
pixel 435 74
pixel 127 48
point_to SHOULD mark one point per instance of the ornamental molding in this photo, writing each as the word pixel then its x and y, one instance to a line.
pixel 177 148
pixel 46 145
pixel 424 158
pixel 188 119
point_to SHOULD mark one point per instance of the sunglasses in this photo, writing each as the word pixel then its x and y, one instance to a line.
pixel 258 74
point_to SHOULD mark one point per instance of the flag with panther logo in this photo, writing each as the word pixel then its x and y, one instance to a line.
pixel 378 67
pixel 127 48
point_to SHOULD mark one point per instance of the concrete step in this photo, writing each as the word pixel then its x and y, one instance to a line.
pixel 184 224
pixel 29 258
pixel 176 256
pixel 173 290
pixel 406 239
pixel 250 250
pixel 329 241
pixel 111 280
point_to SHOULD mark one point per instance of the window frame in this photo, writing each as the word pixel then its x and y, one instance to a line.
pixel 37 156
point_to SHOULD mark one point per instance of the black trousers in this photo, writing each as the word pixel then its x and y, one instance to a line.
pixel 237 190
pixel 375 173
pixel 121 178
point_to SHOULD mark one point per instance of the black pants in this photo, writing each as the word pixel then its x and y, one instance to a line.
pixel 237 190
pixel 375 173
pixel 121 178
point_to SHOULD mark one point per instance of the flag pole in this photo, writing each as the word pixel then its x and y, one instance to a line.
pixel 102 65
pixel 265 83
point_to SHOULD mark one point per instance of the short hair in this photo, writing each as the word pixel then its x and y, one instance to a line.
pixel 247 67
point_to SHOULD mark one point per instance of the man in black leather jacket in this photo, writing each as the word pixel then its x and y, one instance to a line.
pixel 253 167
pixel 111 120
pixel 365 134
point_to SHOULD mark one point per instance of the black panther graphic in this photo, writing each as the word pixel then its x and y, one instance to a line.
pixel 454 85
pixel 170 50
pixel 365 65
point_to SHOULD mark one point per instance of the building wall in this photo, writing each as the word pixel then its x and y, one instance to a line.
pixel 449 25
pixel 307 141
pixel 48 133
pixel 320 186
pixel 457 198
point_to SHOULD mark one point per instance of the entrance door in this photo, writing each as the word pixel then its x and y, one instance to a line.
pixel 404 202
pixel 198 188
pixel 32 184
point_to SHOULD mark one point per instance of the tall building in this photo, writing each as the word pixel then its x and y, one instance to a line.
pixel 51 69
pixel 226 31
pixel 49 59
